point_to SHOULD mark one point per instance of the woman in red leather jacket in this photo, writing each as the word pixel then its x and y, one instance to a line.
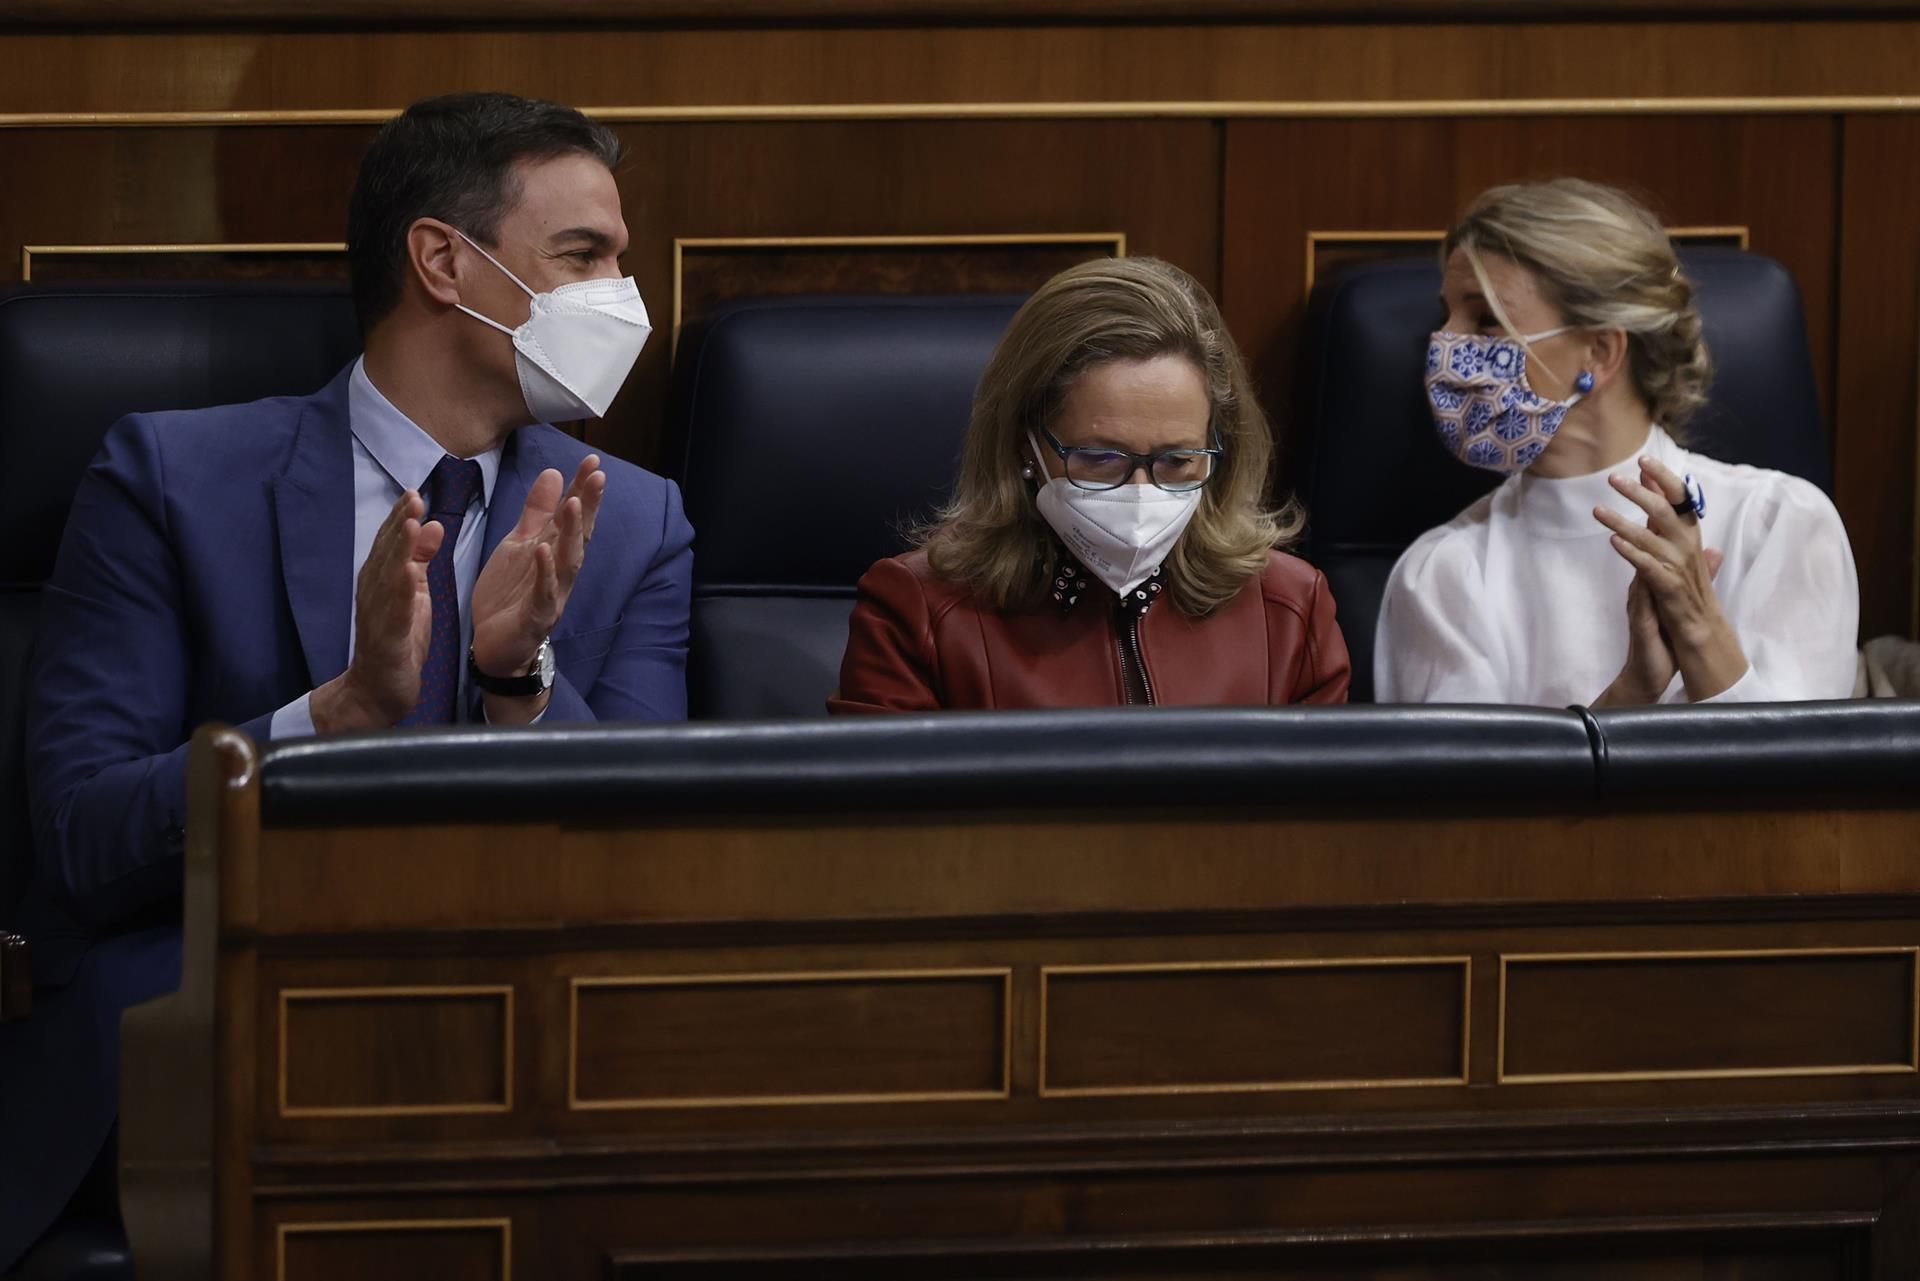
pixel 1109 540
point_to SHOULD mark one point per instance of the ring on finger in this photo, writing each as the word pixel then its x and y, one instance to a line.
pixel 1695 505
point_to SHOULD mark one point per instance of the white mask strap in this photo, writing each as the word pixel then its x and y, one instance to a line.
pixel 1039 458
pixel 1542 336
pixel 486 320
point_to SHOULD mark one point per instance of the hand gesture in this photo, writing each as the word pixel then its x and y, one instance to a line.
pixel 1675 572
pixel 523 590
pixel 392 626
pixel 1650 665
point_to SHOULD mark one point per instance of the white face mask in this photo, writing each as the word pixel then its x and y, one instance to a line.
pixel 577 346
pixel 1121 534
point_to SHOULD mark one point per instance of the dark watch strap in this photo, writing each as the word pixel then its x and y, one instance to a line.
pixel 506 686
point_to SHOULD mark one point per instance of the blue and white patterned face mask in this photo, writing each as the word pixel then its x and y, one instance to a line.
pixel 1483 407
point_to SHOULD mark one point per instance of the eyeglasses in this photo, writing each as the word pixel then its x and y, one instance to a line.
pixel 1176 470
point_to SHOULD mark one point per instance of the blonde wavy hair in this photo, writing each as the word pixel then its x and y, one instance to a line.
pixel 1604 259
pixel 991 537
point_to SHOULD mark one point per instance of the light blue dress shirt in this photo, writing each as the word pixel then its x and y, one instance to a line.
pixel 390 456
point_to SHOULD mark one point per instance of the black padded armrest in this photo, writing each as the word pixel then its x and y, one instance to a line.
pixel 1491 760
pixel 1769 752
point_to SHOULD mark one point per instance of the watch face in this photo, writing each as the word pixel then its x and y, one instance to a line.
pixel 543 664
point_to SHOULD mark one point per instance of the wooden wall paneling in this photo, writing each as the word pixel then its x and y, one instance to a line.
pixel 1249 1026
pixel 1877 413
pixel 61 264
pixel 1156 182
pixel 114 13
pixel 1820 1248
pixel 716 946
pixel 732 1040
pixel 353 879
pixel 1331 250
pixel 1118 64
pixel 1619 1016
pixel 678 1044
pixel 198 185
pixel 395 1250
pixel 709 273
pixel 391 1049
pixel 1646 1216
pixel 1772 175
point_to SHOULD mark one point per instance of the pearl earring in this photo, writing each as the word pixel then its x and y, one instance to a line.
pixel 1026 471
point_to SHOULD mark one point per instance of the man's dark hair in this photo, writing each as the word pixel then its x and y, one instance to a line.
pixel 451 158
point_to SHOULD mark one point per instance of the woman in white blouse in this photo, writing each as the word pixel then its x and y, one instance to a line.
pixel 1613 566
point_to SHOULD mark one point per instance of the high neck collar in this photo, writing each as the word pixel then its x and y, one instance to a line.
pixel 1562 507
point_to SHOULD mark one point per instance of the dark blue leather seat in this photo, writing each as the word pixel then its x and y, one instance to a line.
pixel 812 431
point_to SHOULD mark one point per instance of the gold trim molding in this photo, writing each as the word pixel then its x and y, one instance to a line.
pixel 1116 240
pixel 1502 1077
pixel 576 1104
pixel 1047 973
pixel 1317 238
pixel 503 1226
pixel 502 991
pixel 215 247
pixel 1281 109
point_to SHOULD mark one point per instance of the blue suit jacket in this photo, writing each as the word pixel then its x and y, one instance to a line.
pixel 206 574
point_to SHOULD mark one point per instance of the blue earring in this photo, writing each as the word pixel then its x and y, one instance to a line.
pixel 1584 383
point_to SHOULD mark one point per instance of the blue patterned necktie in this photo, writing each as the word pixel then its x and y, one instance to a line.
pixel 449 491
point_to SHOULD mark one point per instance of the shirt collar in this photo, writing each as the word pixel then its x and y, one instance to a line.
pixel 1071 581
pixel 1562 507
pixel 406 453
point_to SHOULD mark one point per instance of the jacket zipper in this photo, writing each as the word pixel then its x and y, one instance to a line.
pixel 1132 660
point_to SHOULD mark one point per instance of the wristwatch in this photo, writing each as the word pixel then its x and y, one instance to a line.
pixel 534 683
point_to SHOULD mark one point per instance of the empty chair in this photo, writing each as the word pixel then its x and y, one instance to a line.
pixel 815 430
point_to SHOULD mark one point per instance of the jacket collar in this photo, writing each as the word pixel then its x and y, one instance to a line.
pixel 522 460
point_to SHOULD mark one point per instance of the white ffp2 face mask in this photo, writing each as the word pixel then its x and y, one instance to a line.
pixel 577 346
pixel 1122 534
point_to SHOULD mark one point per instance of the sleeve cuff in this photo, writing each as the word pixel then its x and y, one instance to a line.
pixel 1745 690
pixel 295 720
pixel 535 721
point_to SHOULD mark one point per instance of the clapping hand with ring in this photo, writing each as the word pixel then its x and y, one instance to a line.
pixel 1674 619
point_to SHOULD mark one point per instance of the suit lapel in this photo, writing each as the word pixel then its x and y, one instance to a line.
pixel 313 509
pixel 521 462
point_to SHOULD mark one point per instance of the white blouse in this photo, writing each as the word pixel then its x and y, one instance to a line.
pixel 1522 599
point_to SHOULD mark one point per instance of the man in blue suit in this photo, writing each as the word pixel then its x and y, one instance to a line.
pixel 406 547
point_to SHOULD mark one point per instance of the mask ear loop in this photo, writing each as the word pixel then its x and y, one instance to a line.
pixel 1526 341
pixel 487 320
pixel 1036 468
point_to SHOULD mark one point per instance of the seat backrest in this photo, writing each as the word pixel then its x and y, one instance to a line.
pixel 1375 477
pixel 814 431
pixel 73 360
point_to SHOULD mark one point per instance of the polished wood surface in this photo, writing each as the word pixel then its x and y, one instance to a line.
pixel 1450 1046
pixel 184 12
pixel 1253 1026
pixel 1877 413
pixel 1131 69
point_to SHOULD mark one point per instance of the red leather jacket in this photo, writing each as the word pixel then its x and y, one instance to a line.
pixel 917 643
